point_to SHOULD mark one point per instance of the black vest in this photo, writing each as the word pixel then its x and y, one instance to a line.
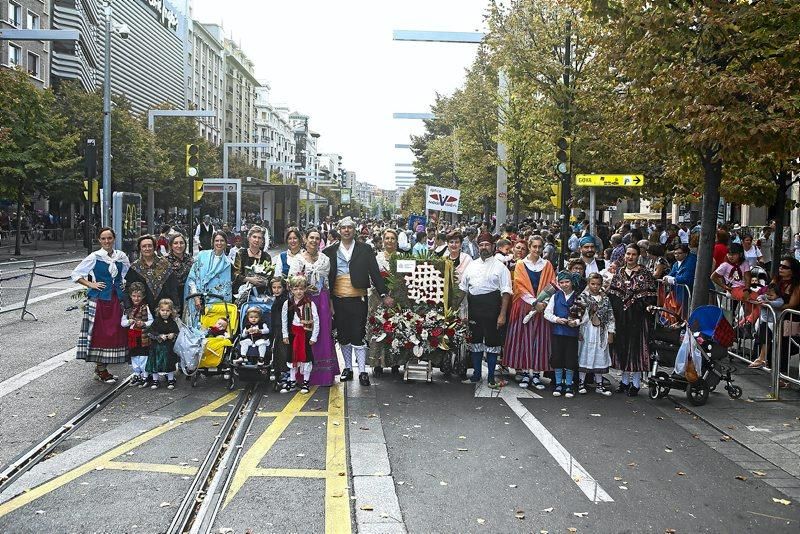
pixel 205 236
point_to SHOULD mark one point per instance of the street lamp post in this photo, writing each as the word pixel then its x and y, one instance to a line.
pixel 123 31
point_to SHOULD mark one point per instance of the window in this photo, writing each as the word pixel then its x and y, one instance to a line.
pixel 14 14
pixel 33 64
pixel 14 55
pixel 33 21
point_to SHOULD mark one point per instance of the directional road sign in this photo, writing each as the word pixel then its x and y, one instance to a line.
pixel 619 180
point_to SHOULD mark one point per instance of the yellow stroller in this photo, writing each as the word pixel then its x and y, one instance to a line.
pixel 216 357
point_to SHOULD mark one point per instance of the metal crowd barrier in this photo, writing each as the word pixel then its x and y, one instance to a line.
pixel 16 277
pixel 35 235
pixel 787 348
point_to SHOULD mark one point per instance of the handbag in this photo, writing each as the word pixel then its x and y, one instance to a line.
pixel 690 373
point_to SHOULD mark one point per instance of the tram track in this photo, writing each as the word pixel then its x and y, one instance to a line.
pixel 204 499
pixel 42 450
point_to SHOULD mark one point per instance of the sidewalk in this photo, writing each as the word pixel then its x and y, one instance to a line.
pixel 45 251
pixel 763 437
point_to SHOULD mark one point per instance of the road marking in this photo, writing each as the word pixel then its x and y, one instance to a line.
pixel 337 501
pixel 264 443
pixel 511 394
pixel 26 377
pixel 153 468
pixel 103 460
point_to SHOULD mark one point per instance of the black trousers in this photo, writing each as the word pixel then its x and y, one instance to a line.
pixel 350 320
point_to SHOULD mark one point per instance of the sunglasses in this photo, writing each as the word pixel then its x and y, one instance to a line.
pixel 782 266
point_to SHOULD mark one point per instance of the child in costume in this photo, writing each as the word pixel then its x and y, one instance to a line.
pixel 279 350
pixel 136 319
pixel 596 334
pixel 162 333
pixel 564 342
pixel 255 333
pixel 300 332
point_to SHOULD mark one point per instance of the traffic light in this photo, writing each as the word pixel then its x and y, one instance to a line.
pixel 192 160
pixel 555 200
pixel 95 190
pixel 562 155
pixel 197 190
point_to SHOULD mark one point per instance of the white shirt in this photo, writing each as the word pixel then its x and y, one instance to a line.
pixel 347 253
pixel 591 267
pixel 402 241
pixel 296 321
pixel 684 235
pixel 485 276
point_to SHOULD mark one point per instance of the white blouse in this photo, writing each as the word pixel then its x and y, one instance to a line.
pixel 316 273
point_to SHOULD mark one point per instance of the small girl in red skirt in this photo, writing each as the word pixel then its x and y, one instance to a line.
pixel 300 332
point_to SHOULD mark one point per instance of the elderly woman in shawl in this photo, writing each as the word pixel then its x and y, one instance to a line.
pixel 527 347
pixel 210 274
pixel 154 272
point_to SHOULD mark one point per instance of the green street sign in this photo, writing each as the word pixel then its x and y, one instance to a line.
pixel 617 180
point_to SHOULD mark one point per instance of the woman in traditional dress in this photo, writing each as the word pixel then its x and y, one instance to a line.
pixel 282 262
pixel 154 272
pixel 459 259
pixel 181 262
pixel 316 267
pixel 210 273
pixel 632 290
pixel 379 353
pixel 102 339
pixel 246 257
pixel 527 347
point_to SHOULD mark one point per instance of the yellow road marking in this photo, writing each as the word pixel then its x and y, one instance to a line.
pixel 217 414
pixel 300 414
pixel 153 468
pixel 337 501
pixel 265 441
pixel 102 460
pixel 289 473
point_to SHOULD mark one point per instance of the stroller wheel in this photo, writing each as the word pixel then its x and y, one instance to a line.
pixel 697 393
pixel 654 392
pixel 734 392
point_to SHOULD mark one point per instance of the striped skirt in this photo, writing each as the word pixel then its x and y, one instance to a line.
pixel 102 338
pixel 527 345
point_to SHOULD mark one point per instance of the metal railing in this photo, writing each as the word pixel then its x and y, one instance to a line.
pixel 32 236
pixel 16 278
pixel 16 282
pixel 787 351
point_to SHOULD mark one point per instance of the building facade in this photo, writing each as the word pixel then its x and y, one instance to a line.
pixel 240 98
pixel 31 56
pixel 80 60
pixel 206 77
pixel 272 127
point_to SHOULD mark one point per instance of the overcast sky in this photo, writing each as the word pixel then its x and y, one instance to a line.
pixel 335 61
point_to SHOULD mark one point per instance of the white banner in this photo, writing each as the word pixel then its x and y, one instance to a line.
pixel 441 199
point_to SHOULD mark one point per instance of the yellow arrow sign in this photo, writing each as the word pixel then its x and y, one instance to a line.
pixel 619 180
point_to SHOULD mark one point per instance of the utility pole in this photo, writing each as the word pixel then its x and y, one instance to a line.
pixel 566 177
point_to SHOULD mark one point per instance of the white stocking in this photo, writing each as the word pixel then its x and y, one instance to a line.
pixel 361 357
pixel 347 354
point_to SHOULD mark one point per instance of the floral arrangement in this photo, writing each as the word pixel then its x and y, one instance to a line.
pixel 264 269
pixel 422 330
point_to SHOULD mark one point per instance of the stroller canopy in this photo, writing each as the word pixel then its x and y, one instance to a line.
pixel 710 322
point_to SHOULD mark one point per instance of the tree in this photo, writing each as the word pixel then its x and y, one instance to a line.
pixel 35 144
pixel 695 74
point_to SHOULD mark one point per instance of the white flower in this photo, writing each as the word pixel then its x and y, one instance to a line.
pixel 418 351
pixel 424 335
pixel 395 343
pixel 380 338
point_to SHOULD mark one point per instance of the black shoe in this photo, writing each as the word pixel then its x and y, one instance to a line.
pixel 377 370
pixel 633 391
pixel 622 388
pixel 347 374
pixel 395 369
pixel 171 384
pixel 305 387
pixel 363 379
pixel 147 382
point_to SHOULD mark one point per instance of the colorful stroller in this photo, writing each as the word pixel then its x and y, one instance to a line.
pixel 250 370
pixel 704 337
pixel 215 359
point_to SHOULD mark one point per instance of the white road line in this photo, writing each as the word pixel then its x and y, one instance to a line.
pixel 587 484
pixel 56 294
pixel 26 377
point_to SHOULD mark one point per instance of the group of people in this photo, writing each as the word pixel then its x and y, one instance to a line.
pixel 570 322
pixel 131 307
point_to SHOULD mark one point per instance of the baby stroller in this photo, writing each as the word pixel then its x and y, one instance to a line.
pixel 215 359
pixel 709 336
pixel 250 369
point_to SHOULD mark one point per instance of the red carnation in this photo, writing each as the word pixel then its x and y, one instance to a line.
pixel 437 332
pixel 434 341
pixel 450 332
pixel 419 328
pixel 386 315
pixel 387 327
pixel 385 274
pixel 431 302
pixel 408 345
pixel 409 315
pixel 372 320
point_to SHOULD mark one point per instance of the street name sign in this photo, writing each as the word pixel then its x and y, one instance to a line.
pixel 619 180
